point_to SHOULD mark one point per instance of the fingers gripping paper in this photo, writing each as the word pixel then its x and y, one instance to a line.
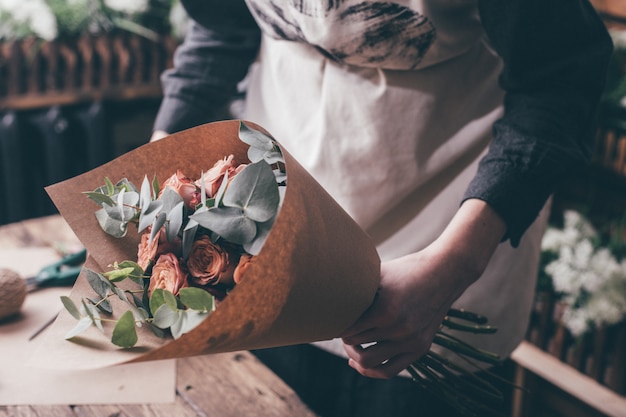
pixel 315 275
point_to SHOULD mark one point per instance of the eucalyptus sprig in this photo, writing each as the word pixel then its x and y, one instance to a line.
pixel 161 311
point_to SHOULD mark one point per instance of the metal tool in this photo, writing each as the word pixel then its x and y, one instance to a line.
pixel 59 274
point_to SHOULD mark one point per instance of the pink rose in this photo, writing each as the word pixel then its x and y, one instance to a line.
pixel 210 264
pixel 147 251
pixel 214 177
pixel 168 274
pixel 244 263
pixel 185 188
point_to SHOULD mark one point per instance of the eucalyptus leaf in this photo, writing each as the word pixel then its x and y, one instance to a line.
pixel 110 225
pixel 95 315
pixel 137 271
pixel 193 318
pixel 175 221
pixel 178 327
pixel 109 186
pixel 256 154
pixel 228 222
pixel 82 325
pixel 148 216
pixel 70 307
pixel 127 204
pixel 117 275
pixel 219 194
pixel 158 222
pixel 170 199
pixel 273 157
pixel 121 294
pixel 165 317
pixel 255 190
pixel 100 198
pixel 98 283
pixel 170 299
pixel 196 298
pixel 263 231
pixel 255 138
pixel 124 332
pixel 156 300
pixel 145 195
pixel 102 304
pixel 189 235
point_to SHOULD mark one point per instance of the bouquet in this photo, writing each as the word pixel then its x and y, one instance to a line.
pixel 287 264
pixel 197 239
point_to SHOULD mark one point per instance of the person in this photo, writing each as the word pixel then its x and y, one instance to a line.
pixel 441 126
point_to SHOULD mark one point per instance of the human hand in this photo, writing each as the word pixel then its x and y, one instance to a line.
pixel 417 290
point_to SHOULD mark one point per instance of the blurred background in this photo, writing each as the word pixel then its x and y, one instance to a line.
pixel 79 85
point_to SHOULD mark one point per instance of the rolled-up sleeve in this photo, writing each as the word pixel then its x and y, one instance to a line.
pixel 555 55
pixel 220 45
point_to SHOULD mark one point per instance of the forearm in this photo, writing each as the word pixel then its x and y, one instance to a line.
pixel 553 77
pixel 220 46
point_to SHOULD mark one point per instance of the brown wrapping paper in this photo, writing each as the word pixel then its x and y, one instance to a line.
pixel 316 274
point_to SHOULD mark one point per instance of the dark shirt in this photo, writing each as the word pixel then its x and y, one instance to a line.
pixel 555 55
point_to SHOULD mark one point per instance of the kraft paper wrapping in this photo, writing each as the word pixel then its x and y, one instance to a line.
pixel 316 274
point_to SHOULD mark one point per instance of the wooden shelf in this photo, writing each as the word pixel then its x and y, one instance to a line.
pixel 600 400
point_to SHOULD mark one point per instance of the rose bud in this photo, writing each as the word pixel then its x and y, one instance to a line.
pixel 168 274
pixel 148 251
pixel 244 263
pixel 209 263
pixel 214 177
pixel 185 187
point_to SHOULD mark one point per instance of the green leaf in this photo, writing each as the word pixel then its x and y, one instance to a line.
pixel 156 300
pixel 158 222
pixel 70 307
pixel 124 332
pixel 149 214
pixel 117 275
pixel 165 317
pixel 137 271
pixel 178 327
pixel 196 298
pixel 109 186
pixel 93 313
pixel 255 138
pixel 175 223
pixel 98 283
pixel 192 319
pixel 110 225
pixel 228 222
pixel 82 325
pixel 99 198
pixel 170 299
pixel 255 190
pixel 263 231
pixel 189 235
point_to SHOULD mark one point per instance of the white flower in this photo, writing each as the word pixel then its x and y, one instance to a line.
pixel 127 6
pixel 576 321
pixel 179 21
pixel 35 14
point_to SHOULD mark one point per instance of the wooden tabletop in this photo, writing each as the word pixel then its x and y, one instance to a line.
pixel 224 385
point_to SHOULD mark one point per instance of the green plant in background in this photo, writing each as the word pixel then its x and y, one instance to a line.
pixel 51 19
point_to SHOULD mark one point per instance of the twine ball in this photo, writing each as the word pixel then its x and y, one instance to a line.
pixel 12 292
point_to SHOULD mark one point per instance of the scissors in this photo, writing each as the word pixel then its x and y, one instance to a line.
pixel 61 273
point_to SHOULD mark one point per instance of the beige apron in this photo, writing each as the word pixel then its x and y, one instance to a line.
pixel 393 127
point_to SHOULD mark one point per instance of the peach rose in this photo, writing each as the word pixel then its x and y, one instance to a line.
pixel 168 274
pixel 213 177
pixel 244 263
pixel 185 187
pixel 147 251
pixel 209 263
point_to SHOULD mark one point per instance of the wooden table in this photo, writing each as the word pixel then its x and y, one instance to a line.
pixel 224 385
